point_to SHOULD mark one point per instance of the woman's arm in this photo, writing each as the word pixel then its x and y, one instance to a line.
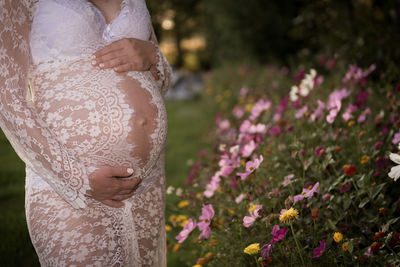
pixel 30 136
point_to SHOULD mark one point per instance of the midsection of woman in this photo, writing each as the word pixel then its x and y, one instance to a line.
pixel 104 117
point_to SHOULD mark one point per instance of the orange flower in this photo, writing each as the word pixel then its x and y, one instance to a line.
pixel 349 169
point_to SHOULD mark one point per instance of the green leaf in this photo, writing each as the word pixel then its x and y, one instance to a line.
pixel 364 202
pixel 376 189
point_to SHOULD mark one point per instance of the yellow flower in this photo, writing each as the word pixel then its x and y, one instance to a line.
pixel 344 246
pixel 351 123
pixel 168 228
pixel 197 265
pixel 248 107
pixel 183 203
pixel 364 159
pixel 337 237
pixel 172 218
pixel 289 216
pixel 230 211
pixel 227 93
pixel 176 247
pixel 218 98
pixel 252 208
pixel 183 223
pixel 181 218
pixel 252 249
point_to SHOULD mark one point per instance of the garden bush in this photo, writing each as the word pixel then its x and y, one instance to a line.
pixel 303 171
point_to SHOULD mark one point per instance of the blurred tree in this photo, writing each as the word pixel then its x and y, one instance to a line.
pixel 184 14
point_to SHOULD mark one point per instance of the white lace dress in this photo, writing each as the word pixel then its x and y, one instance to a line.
pixel 80 118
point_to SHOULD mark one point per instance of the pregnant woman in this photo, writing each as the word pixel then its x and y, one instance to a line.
pixel 84 115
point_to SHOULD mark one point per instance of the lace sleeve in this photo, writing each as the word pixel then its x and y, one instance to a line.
pixel 29 135
pixel 163 68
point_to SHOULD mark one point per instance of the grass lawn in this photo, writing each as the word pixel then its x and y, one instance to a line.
pixel 188 122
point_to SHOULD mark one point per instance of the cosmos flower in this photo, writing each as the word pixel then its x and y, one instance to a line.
pixel 395 171
pixel 187 229
pixel 307 193
pixel 207 213
pixel 319 251
pixel 251 166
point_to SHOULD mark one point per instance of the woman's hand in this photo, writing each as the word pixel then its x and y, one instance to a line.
pixel 109 189
pixel 128 54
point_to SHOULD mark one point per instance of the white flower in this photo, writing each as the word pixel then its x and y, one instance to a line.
pixel 170 189
pixel 179 191
pixel 293 93
pixel 395 171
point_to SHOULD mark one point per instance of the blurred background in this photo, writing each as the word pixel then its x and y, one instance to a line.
pixel 202 38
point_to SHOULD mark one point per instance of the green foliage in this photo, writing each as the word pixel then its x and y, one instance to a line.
pixel 362 202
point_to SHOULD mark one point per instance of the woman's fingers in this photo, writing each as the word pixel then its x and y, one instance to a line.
pixel 128 184
pixel 120 172
pixel 124 196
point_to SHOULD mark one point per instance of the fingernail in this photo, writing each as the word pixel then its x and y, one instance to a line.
pixel 115 68
pixel 93 57
pixel 94 62
pixel 101 65
pixel 130 170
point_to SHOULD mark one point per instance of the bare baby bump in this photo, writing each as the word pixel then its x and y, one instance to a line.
pixel 105 118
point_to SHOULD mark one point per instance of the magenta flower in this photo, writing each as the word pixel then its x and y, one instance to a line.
pixel 307 193
pixel 251 166
pixel 207 213
pixel 187 229
pixel 319 151
pixel 278 234
pixel 248 149
pixel 273 131
pixel 266 250
pixel 318 251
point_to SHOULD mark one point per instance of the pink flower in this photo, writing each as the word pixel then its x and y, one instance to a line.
pixel 187 229
pixel 363 115
pixel 307 193
pixel 278 234
pixel 335 103
pixel 251 166
pixel 248 149
pixel 319 111
pixel 207 213
pixel 318 251
pixel 347 114
pixel 238 112
pixel 301 112
pixel 249 220
pixel 287 179
pixel 266 250
pixel 248 127
pixel 212 185
pixel 396 138
pixel 224 125
pixel 239 198
pixel 258 108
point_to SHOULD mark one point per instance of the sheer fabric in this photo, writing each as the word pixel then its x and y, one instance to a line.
pixel 82 117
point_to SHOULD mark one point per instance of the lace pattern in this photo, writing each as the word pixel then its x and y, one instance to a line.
pixel 82 117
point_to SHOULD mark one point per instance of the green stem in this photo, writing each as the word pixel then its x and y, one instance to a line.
pixel 297 244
